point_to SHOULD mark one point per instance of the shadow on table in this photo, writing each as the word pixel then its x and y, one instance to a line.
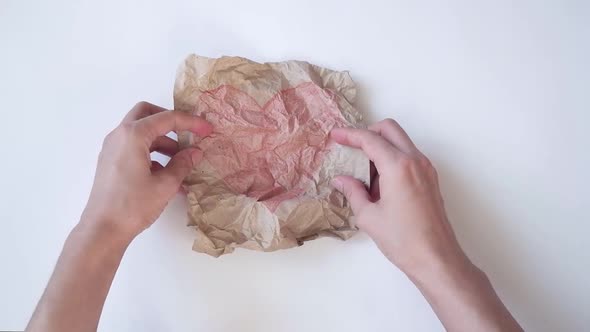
pixel 489 243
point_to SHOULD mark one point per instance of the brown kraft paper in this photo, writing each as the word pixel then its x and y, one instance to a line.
pixel 264 181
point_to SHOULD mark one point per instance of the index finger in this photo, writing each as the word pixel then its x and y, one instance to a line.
pixel 164 122
pixel 141 110
pixel 379 150
pixel 395 134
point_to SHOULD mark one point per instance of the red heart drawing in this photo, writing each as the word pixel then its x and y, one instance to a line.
pixel 272 152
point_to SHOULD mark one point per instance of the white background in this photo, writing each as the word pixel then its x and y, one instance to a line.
pixel 496 93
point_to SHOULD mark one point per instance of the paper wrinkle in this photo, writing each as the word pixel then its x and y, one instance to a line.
pixel 264 181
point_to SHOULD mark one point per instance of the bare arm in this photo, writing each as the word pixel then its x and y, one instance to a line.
pixel 77 290
pixel 403 213
pixel 129 193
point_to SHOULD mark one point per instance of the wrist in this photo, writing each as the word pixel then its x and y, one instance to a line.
pixel 462 296
pixel 444 280
pixel 104 230
pixel 94 246
pixel 450 267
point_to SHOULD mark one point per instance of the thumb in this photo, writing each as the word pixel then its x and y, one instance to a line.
pixel 180 166
pixel 354 190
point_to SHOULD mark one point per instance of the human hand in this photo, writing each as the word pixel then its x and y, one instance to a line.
pixel 130 190
pixel 403 211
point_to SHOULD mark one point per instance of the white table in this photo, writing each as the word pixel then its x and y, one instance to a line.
pixel 496 93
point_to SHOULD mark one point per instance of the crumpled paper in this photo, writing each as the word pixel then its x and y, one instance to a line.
pixel 264 181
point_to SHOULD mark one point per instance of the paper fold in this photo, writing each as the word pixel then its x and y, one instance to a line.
pixel 264 182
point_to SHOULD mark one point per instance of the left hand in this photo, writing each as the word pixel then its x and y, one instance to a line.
pixel 130 190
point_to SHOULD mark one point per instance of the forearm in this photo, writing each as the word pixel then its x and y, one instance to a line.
pixel 129 192
pixel 76 292
pixel 463 298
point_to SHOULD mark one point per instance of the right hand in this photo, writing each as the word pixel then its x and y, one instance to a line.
pixel 403 211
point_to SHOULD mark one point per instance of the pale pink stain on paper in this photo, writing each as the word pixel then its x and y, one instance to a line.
pixel 271 152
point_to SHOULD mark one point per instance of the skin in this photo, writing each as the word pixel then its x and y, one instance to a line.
pixel 402 212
